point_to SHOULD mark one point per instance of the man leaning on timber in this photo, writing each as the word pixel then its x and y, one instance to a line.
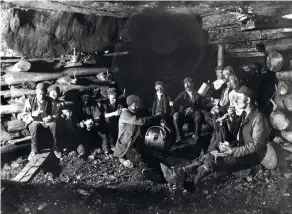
pixel 251 130
pixel 37 116
pixel 130 144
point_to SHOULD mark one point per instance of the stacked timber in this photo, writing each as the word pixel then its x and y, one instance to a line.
pixel 14 132
pixel 279 60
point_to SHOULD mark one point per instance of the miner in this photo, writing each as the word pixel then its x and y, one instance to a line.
pixel 251 131
pixel 92 130
pixel 130 147
pixel 37 115
pixel 187 107
pixel 111 111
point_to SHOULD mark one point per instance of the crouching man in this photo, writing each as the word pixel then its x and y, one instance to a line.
pixel 130 144
pixel 37 115
pixel 251 130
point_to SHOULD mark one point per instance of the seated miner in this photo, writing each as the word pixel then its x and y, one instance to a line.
pixel 161 103
pixel 187 107
pixel 59 109
pixel 91 129
pixel 112 109
pixel 130 144
pixel 251 130
pixel 224 98
pixel 60 113
pixel 37 115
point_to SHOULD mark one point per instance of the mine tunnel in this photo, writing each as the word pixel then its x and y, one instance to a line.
pixel 146 106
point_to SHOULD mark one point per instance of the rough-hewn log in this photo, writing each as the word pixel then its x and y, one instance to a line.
pixel 281 35
pixel 281 119
pixel 64 87
pixel 20 140
pixel 35 59
pixel 284 75
pixel 275 61
pixel 5 136
pixel 15 126
pixel 11 109
pixel 220 60
pixel 284 102
pixel 260 24
pixel 279 44
pixel 284 88
pixel 287 135
pixel 17 92
pixel 19 77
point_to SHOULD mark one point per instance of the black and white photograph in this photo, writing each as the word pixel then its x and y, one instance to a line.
pixel 146 107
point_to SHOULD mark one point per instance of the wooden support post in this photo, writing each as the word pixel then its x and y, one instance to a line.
pixel 220 61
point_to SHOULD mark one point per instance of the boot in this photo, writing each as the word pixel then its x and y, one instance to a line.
pixel 172 175
pixel 202 171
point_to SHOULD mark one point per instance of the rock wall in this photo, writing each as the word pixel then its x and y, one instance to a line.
pixel 51 34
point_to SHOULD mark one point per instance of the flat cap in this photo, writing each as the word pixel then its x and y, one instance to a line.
pixel 247 91
pixel 159 83
pixel 229 68
pixel 54 88
pixel 131 99
pixel 41 86
pixel 188 79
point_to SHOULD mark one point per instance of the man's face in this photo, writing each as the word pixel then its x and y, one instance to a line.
pixel 112 98
pixel 40 94
pixel 234 83
pixel 86 100
pixel 53 95
pixel 159 88
pixel 219 74
pixel 241 101
pixel 135 107
pixel 226 74
pixel 188 86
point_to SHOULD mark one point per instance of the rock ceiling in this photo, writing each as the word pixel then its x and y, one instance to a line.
pixel 129 8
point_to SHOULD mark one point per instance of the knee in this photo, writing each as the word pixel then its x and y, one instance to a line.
pixel 197 117
pixel 34 126
pixel 176 116
pixel 52 125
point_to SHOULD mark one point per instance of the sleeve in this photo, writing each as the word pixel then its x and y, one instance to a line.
pixel 129 118
pixel 260 133
pixel 97 113
pixel 26 114
pixel 177 102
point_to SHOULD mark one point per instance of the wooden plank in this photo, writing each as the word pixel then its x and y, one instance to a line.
pixel 30 170
pixel 245 54
pixel 3 60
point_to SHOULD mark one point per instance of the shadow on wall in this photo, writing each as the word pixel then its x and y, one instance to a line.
pixel 163 45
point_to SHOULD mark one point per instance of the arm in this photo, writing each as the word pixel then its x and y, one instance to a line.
pixel 260 133
pixel 177 102
pixel 26 114
pixel 130 118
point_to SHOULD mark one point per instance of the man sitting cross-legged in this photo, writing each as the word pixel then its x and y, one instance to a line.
pixel 251 130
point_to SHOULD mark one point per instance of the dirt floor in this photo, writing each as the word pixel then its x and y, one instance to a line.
pixel 105 186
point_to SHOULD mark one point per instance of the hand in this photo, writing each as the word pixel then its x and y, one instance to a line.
pixel 228 150
pixel 189 111
pixel 81 124
pixel 231 111
pixel 118 112
pixel 67 113
pixel 47 119
pixel 223 146
pixel 171 103
pixel 36 113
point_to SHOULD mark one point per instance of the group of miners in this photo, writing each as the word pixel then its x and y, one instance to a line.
pixel 239 130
